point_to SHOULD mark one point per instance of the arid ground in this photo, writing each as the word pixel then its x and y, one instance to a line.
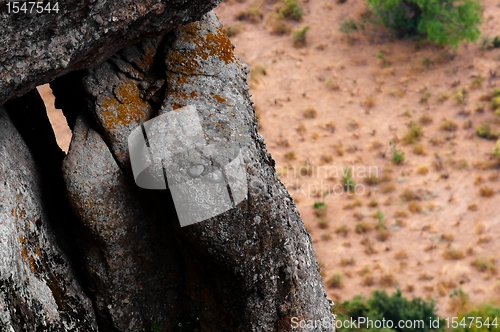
pixel 428 225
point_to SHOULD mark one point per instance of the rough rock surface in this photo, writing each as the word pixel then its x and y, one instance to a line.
pixel 130 254
pixel 38 47
pixel 38 289
pixel 251 268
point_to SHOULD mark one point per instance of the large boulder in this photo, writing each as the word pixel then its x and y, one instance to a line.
pixel 251 268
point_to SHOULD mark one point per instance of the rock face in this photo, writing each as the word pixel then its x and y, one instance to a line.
pixel 251 268
pixel 37 47
pixel 82 247
pixel 38 289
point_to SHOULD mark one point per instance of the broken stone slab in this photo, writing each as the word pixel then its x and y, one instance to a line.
pixel 38 47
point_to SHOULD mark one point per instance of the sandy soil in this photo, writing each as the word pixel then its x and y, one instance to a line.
pixel 365 91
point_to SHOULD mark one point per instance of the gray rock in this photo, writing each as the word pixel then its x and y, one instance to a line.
pixel 129 253
pixel 38 47
pixel 38 289
pixel 251 268
pixel 263 241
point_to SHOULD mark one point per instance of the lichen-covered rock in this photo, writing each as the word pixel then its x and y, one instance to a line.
pixel 251 268
pixel 39 46
pixel 263 241
pixel 38 289
pixel 129 252
pixel 122 97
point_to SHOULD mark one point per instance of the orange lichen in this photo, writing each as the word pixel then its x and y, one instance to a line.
pixel 32 264
pixel 24 253
pixel 219 98
pixel 193 94
pixel 21 240
pixel 126 108
pixel 37 251
pixel 208 44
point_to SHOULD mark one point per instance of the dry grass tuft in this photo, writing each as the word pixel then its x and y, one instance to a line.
pixel 387 187
pixel 414 207
pixel 419 149
pixel 387 280
pixel 310 113
pixel 422 170
pixel 486 265
pixel 368 280
pixel 448 125
pixel 401 254
pixel 342 230
pixel 369 101
pixel 413 135
pixel 486 191
pixel 335 281
pixel 425 120
pixel 347 262
pixel 363 227
pixel 453 253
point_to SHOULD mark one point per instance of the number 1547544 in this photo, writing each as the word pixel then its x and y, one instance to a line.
pixel 32 7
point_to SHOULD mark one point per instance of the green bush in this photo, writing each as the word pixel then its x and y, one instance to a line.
pixel 397 157
pixel 394 308
pixel 299 37
pixel 487 315
pixel 291 9
pixel 347 180
pixel 443 22
pixel 348 25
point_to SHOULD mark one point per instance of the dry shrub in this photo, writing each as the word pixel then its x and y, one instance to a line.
pixel 422 170
pixel 347 262
pixel 414 207
pixel 486 191
pixel 401 254
pixel 368 280
pixel 387 280
pixel 483 264
pixel 310 113
pixel 387 187
pixel 453 253
pixel 335 281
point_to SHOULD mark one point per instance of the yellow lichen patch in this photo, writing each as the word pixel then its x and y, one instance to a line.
pixel 21 240
pixel 32 264
pixel 208 44
pixel 219 98
pixel 126 108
